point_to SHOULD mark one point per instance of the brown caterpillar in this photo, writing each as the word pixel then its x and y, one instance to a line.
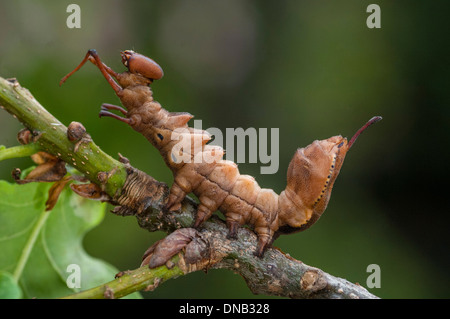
pixel 217 182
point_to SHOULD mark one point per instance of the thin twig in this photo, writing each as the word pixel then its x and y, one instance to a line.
pixel 128 282
pixel 51 136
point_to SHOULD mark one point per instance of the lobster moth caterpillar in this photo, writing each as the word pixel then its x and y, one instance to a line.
pixel 201 169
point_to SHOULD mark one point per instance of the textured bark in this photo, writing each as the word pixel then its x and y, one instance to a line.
pixel 274 274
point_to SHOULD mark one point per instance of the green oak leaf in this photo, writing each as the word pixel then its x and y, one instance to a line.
pixel 9 289
pixel 54 264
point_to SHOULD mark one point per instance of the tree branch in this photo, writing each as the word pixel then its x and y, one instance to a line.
pixel 137 194
pixel 50 135
pixel 128 282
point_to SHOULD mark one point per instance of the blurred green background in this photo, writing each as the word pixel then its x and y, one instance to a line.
pixel 313 69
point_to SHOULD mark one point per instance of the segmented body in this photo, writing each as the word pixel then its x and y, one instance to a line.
pixel 218 183
pixel 199 168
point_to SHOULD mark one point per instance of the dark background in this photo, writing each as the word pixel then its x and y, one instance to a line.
pixel 310 68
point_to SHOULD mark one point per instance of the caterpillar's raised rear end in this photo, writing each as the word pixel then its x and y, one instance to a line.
pixel 310 178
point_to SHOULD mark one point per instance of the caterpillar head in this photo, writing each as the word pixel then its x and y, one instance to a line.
pixel 140 64
pixel 310 179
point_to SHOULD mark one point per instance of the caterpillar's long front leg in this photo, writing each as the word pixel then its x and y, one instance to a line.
pixel 109 75
pixel 107 72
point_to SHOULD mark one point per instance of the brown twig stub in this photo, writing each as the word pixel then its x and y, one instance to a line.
pixel 25 136
pixel 76 131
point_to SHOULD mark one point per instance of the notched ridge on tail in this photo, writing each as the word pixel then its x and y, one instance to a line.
pixel 309 187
